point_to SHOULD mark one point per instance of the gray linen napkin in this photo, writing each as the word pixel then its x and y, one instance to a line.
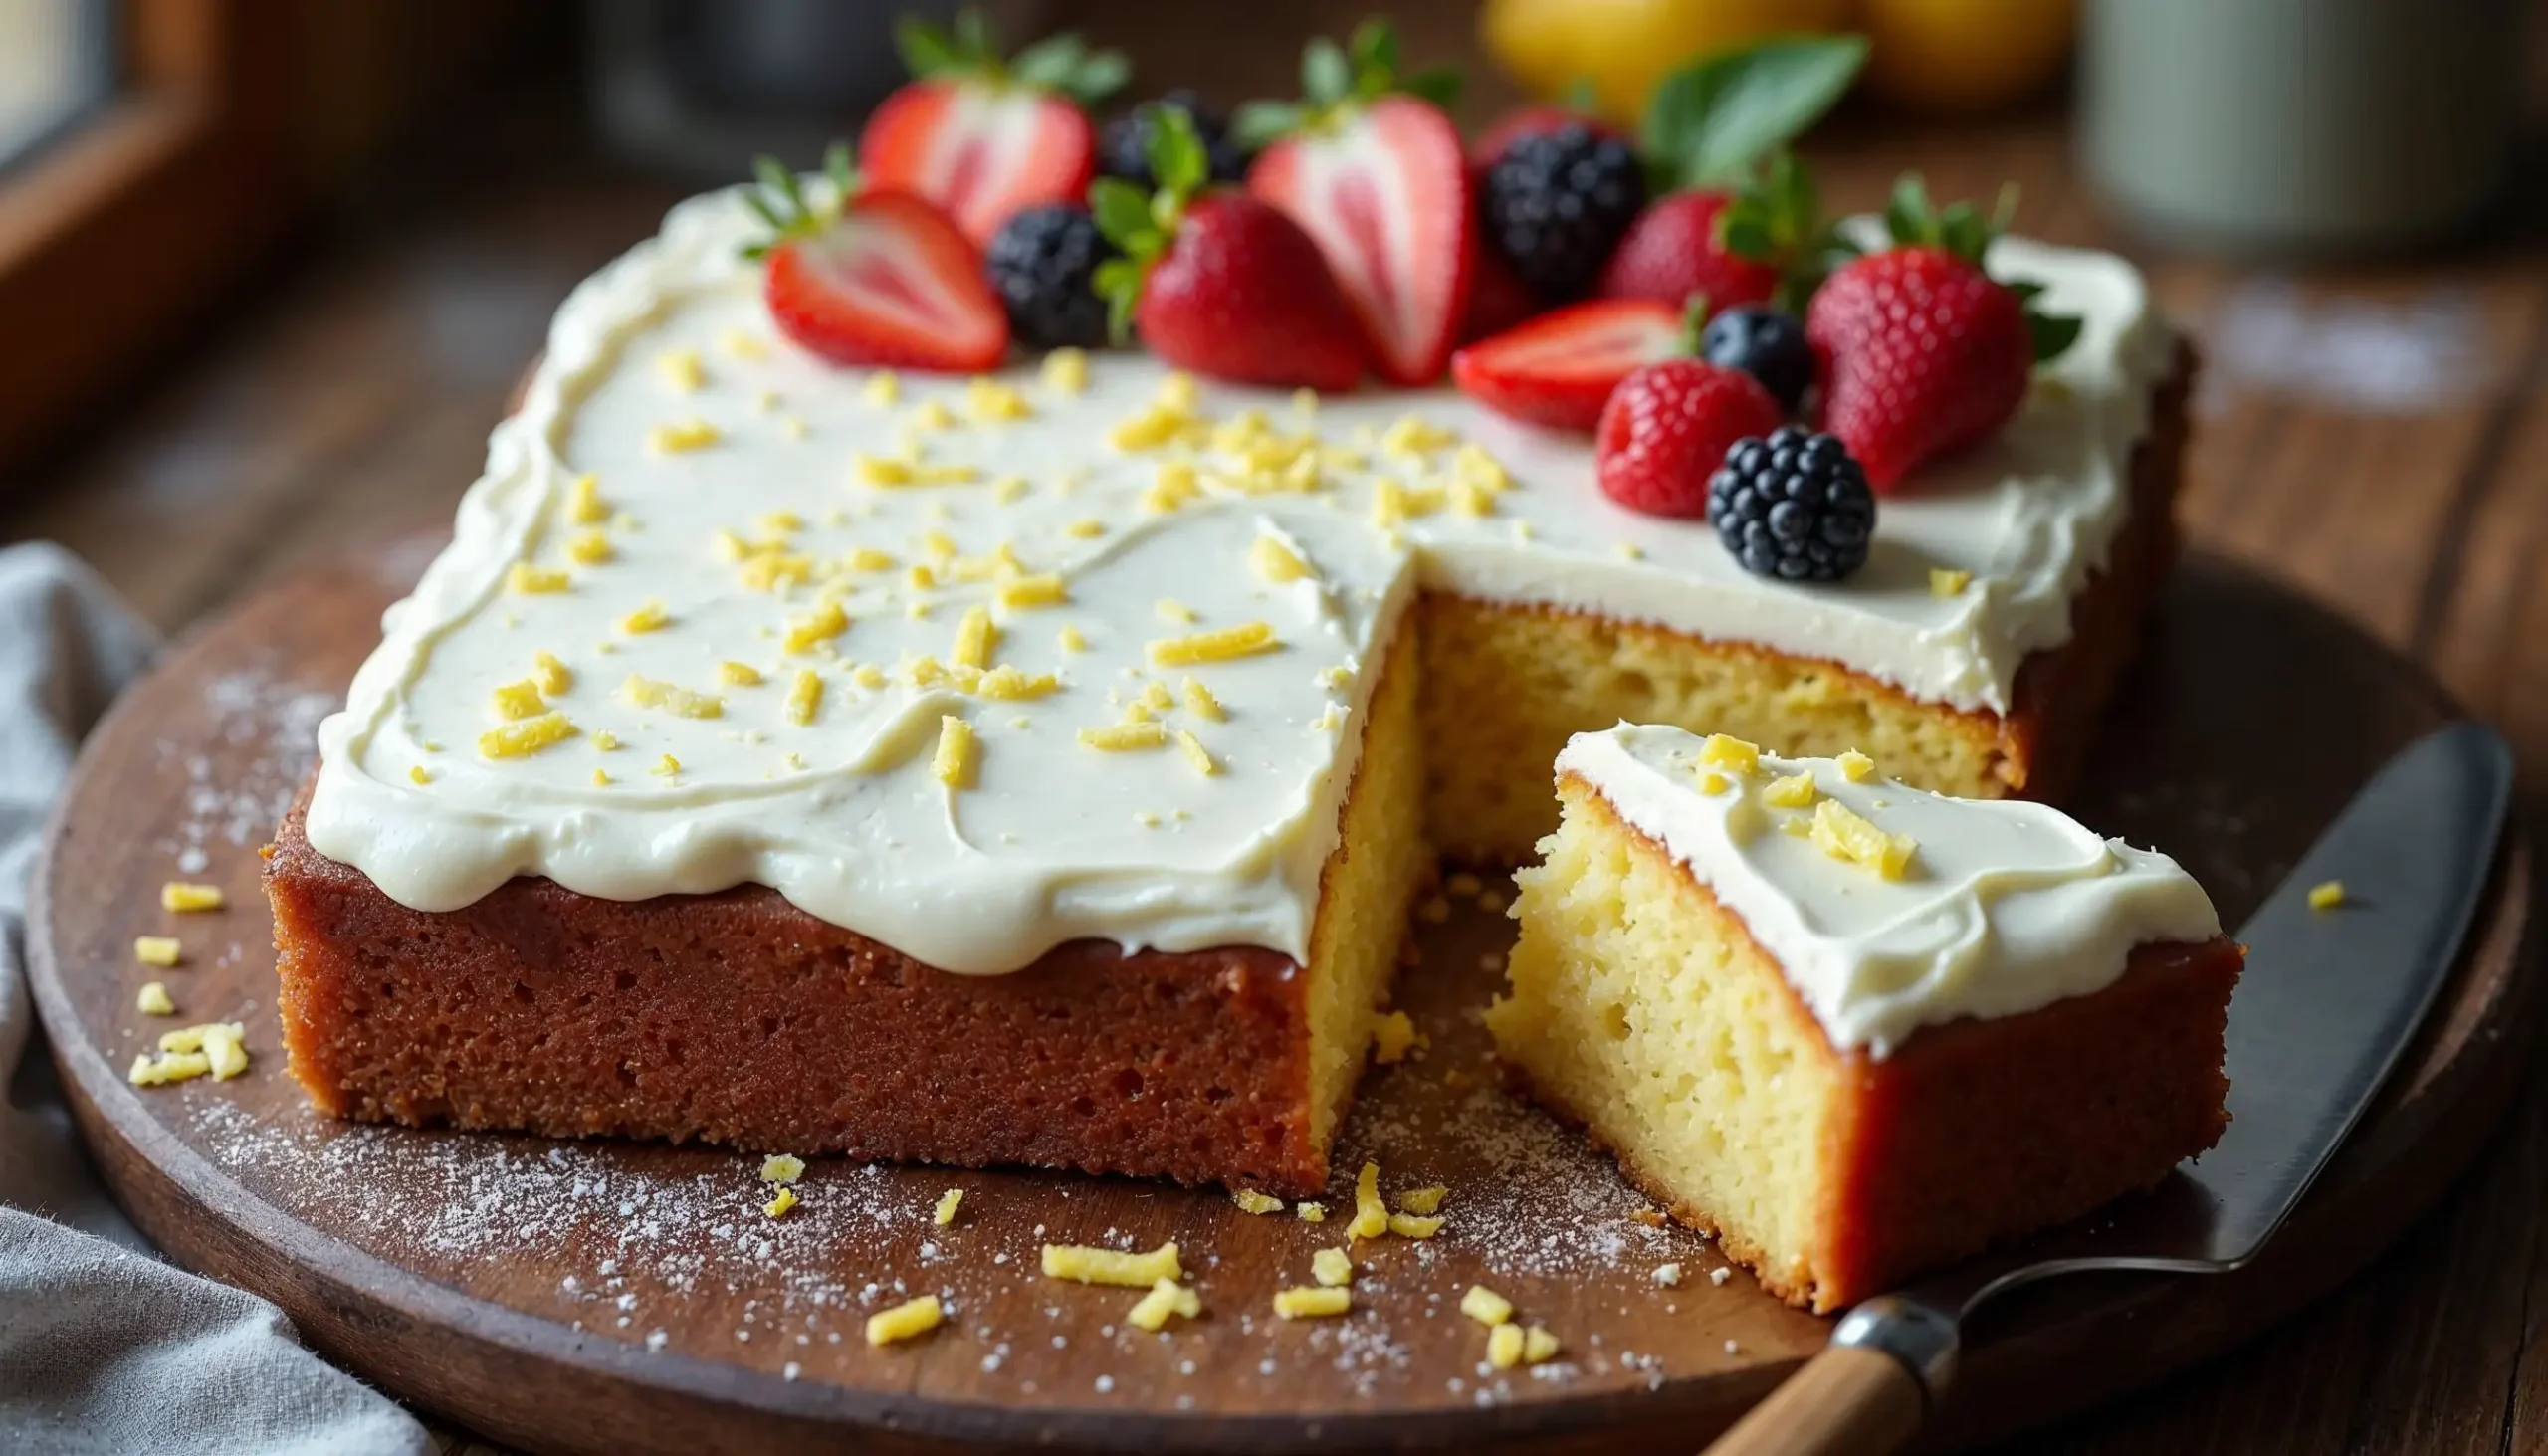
pixel 103 1349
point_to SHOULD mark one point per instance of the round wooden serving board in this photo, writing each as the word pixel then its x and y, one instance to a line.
pixel 616 1296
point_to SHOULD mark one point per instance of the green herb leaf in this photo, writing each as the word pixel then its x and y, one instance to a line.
pixel 1439 85
pixel 1909 220
pixel 1326 74
pixel 2053 333
pixel 1119 282
pixel 838 167
pixel 1257 125
pixel 1177 157
pixel 1708 123
pixel 1101 75
pixel 926 50
pixel 1121 210
pixel 1375 47
pixel 973 44
pixel 1049 64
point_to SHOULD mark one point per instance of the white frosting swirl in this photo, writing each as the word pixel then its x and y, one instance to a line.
pixel 1052 839
pixel 2007 906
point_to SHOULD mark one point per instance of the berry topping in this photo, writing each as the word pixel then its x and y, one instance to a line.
pixel 1221 282
pixel 1667 428
pixel 1559 370
pixel 1043 261
pixel 1123 148
pixel 1765 343
pixel 1557 203
pixel 981 137
pixel 1370 167
pixel 1497 300
pixel 1491 144
pixel 1924 354
pixel 1794 507
pixel 1674 250
pixel 874 277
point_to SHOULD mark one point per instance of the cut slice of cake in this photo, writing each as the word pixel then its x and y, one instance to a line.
pixel 1853 1028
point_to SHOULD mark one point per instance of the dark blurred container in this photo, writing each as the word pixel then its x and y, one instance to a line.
pixel 697 87
pixel 2300 126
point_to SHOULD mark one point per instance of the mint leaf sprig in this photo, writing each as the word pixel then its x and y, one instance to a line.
pixel 779 200
pixel 1337 80
pixel 1060 64
pixel 1708 124
pixel 1144 224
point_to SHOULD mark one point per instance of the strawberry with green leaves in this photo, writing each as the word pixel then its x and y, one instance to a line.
pixel 1373 169
pixel 1218 281
pixel 981 137
pixel 1923 351
pixel 1736 216
pixel 872 278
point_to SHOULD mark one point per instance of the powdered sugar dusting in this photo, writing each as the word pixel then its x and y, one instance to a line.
pixel 268 729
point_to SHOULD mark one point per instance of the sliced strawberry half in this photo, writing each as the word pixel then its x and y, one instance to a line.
pixel 877 278
pixel 981 137
pixel 1559 370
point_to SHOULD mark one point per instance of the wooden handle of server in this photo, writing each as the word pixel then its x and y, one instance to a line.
pixel 1850 1400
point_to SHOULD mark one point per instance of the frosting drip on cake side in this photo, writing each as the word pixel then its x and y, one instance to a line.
pixel 2006 906
pixel 739 490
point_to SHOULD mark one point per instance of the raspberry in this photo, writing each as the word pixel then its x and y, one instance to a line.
pixel 1795 507
pixel 1666 429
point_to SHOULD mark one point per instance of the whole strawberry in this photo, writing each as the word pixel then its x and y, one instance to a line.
pixel 1667 428
pixel 1675 249
pixel 1221 282
pixel 1923 352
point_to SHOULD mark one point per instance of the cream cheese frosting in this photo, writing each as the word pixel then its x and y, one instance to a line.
pixel 720 613
pixel 2001 907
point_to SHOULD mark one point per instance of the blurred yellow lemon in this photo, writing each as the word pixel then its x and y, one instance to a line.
pixel 1965 55
pixel 1621 48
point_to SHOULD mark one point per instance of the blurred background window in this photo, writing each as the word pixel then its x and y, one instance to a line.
pixel 55 65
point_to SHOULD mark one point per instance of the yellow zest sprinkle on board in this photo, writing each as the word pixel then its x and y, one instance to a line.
pixel 650 616
pixel 1331 1268
pixel 1012 685
pixel 1310 1212
pixel 1856 766
pixel 680 436
pixel 181 897
pixel 1277 562
pixel 957 752
pixel 1195 753
pixel 738 675
pixel 1844 834
pixel 1796 791
pixel 1423 1200
pixel 825 623
pixel 515 701
pixel 781 1167
pixel 1168 1297
pixel 1125 738
pixel 1538 1346
pixel 1310 1303
pixel 2327 896
pixel 1243 640
pixel 777 1207
pixel 1943 582
pixel 159 951
pixel 1251 1202
pixel 223 1044
pixel 1066 370
pixel 1485 1306
pixel 1085 1265
pixel 681 369
pixel 974 639
pixel 524 580
pixel 883 388
pixel 1371 1216
pixel 1730 753
pixel 168 1068
pixel 552 676
pixel 988 400
pixel 154 1000
pixel 641 692
pixel 1414 1226
pixel 948 1202
pixel 1504 1346
pixel 584 504
pixel 1392 1037
pixel 590 548
pixel 906 1321
pixel 805 697
pixel 1201 701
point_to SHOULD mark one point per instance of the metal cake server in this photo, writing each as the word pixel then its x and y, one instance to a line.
pixel 2327 1004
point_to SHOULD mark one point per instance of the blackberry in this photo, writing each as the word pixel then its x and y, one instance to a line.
pixel 1123 148
pixel 1765 343
pixel 1043 265
pixel 1795 507
pixel 1557 202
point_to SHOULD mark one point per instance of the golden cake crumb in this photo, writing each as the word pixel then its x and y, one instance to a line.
pixel 1649 1217
pixel 159 951
pixel 1166 1296
pixel 1423 1200
pixel 1310 1303
pixel 1856 766
pixel 2327 896
pixel 1392 1036
pixel 1309 1212
pixel 781 1167
pixel 1943 582
pixel 1415 1227
pixel 1504 1346
pixel 958 753
pixel 948 1202
pixel 777 1207
pixel 1086 1265
pixel 1844 834
pixel 1223 645
pixel 1796 791
pixel 1371 1216
pixel 908 1320
pixel 154 1000
pixel 1485 1306
pixel 1125 738
pixel 1251 1202
pixel 181 897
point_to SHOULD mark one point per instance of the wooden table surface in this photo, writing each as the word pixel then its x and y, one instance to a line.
pixel 2375 436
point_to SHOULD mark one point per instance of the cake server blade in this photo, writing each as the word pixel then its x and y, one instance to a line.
pixel 2327 1004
